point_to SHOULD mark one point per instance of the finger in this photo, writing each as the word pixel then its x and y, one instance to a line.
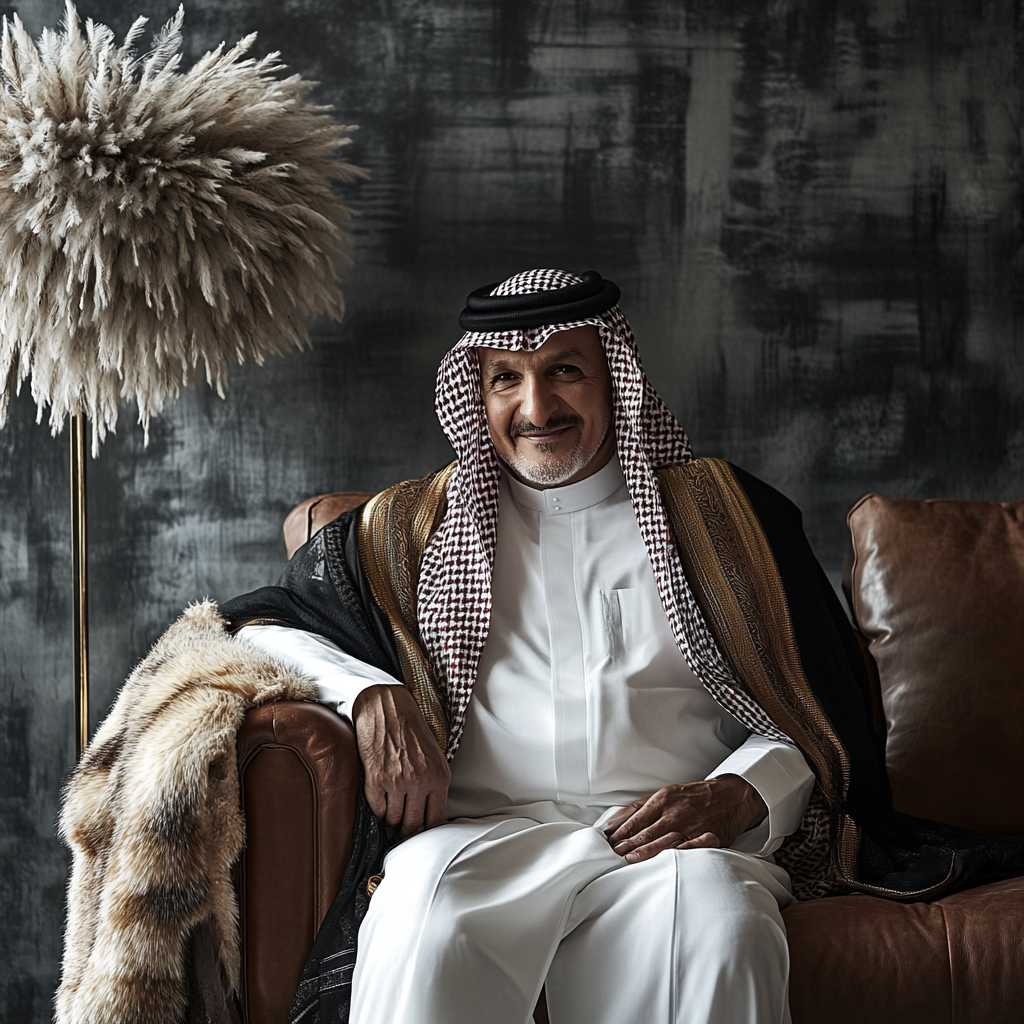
pixel 705 841
pixel 375 797
pixel 436 810
pixel 643 817
pixel 669 841
pixel 622 815
pixel 412 815
pixel 663 826
pixel 396 808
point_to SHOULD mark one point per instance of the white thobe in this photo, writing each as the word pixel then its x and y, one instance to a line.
pixel 583 703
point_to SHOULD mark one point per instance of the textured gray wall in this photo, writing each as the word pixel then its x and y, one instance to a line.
pixel 813 208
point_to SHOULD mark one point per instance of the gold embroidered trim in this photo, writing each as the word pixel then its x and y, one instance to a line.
pixel 235 627
pixel 393 532
pixel 736 583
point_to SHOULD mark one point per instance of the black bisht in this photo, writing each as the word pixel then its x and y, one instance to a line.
pixel 324 590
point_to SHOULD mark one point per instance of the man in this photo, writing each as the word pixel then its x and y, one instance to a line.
pixel 581 667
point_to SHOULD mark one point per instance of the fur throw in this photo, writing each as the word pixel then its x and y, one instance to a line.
pixel 152 815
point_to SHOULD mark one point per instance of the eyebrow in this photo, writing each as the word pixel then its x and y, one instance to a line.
pixel 500 365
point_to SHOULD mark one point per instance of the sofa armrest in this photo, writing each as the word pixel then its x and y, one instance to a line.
pixel 299 777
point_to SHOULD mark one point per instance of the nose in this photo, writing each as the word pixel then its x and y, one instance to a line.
pixel 539 400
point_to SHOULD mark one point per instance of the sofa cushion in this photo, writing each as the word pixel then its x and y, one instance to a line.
pixel 957 961
pixel 938 589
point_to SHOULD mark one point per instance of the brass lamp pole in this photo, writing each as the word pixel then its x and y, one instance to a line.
pixel 80 597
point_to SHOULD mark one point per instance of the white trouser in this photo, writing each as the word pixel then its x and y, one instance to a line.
pixel 474 916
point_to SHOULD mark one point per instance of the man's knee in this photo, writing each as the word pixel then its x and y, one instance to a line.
pixel 724 900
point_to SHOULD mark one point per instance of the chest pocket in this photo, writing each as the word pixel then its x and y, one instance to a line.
pixel 620 610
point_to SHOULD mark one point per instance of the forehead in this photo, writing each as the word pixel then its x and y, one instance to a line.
pixel 581 343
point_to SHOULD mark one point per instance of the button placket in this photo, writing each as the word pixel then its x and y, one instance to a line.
pixel 568 685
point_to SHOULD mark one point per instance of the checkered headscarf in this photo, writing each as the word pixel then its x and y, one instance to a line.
pixel 454 594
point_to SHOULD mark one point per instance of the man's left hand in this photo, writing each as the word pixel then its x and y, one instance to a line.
pixel 686 815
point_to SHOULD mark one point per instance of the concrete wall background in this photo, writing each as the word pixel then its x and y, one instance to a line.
pixel 813 209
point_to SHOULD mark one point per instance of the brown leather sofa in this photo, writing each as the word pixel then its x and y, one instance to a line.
pixel 937 589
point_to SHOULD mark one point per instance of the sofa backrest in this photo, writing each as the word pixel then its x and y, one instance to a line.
pixel 315 513
pixel 938 590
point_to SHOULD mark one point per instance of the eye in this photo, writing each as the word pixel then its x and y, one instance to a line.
pixel 499 379
pixel 565 370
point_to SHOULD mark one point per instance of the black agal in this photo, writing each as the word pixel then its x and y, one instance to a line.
pixel 488 313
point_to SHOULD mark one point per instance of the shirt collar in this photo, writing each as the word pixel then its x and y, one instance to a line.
pixel 572 497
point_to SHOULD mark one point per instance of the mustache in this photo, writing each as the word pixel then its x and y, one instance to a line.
pixel 525 427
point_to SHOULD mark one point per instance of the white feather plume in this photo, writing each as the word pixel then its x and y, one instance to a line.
pixel 155 224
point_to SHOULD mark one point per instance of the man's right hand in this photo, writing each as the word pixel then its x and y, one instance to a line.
pixel 406 772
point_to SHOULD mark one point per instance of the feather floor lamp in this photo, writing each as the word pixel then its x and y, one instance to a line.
pixel 156 225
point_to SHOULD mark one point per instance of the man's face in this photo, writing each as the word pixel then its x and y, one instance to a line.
pixel 549 412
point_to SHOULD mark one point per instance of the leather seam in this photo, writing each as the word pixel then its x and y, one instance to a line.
pixel 949 958
pixel 309 519
pixel 854 589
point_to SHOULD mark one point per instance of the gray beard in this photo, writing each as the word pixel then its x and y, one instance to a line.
pixel 556 471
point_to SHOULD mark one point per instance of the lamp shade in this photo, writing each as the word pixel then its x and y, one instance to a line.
pixel 156 225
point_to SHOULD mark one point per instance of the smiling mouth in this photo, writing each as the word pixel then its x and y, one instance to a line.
pixel 546 437
pixel 549 433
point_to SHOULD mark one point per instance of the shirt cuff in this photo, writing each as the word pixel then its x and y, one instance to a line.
pixel 339 677
pixel 780 774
